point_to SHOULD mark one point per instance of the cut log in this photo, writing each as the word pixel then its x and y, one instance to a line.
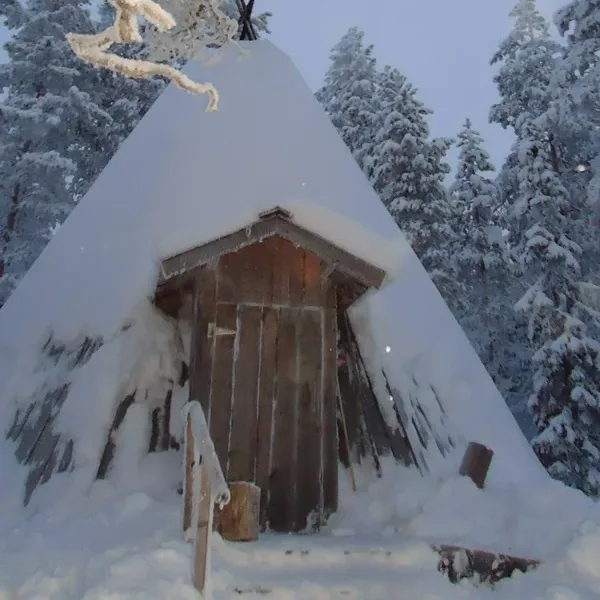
pixel 239 520
pixel 463 563
pixel 476 463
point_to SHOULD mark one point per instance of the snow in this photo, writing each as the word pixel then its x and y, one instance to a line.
pixel 123 540
pixel 427 345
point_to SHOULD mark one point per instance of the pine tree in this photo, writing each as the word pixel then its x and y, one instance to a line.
pixel 348 94
pixel 409 170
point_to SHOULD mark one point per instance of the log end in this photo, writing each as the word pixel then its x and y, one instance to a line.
pixel 239 520
pixel 476 463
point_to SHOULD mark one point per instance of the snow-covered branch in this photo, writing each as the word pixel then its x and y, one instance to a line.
pixel 200 24
pixel 94 48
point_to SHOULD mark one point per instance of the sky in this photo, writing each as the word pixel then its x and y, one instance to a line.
pixel 442 46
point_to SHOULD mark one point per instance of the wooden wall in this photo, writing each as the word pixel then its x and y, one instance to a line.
pixel 267 379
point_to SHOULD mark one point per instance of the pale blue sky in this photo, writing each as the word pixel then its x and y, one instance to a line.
pixel 443 46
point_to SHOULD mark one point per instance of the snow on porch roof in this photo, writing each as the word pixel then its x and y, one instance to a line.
pixel 185 177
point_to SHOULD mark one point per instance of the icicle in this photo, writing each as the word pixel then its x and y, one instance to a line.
pixel 93 49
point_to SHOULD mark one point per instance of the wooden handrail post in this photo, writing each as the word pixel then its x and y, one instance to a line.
pixel 203 529
pixel 188 476
pixel 208 478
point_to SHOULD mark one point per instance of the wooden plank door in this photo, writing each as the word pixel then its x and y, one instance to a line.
pixel 266 407
pixel 264 369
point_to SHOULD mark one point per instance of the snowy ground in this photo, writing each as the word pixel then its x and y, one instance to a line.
pixel 123 542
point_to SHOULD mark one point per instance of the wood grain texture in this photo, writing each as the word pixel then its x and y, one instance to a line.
pixel 202 351
pixel 266 403
pixel 239 519
pixel 222 383
pixel 244 418
pixel 310 425
pixel 281 511
pixel 330 429
pixel 203 530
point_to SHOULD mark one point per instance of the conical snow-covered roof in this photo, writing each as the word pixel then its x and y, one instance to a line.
pixel 185 177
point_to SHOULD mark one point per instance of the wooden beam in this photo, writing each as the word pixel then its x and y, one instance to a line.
pixel 248 30
pixel 347 264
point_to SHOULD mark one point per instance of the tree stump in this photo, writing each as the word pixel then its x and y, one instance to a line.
pixel 476 463
pixel 238 521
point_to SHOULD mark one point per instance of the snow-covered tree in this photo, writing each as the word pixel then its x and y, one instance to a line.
pixel 348 94
pixel 485 270
pixel 47 98
pixel 566 400
pixel 409 170
pixel 566 403
pixel 577 92
pixel 64 115
pixel 526 60
pixel 60 123
pixel 475 196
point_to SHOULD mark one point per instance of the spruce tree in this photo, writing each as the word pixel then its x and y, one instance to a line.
pixel 576 88
pixel 348 95
pixel 409 170
pixel 475 194
pixel 61 122
pixel 526 60
pixel 49 99
pixel 566 399
pixel 484 267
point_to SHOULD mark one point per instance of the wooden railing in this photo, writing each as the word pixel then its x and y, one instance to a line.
pixel 203 487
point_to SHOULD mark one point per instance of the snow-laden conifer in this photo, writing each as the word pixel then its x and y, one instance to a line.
pixel 348 94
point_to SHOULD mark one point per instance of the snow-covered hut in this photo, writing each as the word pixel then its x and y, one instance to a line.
pixel 241 259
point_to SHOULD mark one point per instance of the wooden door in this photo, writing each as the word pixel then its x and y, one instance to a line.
pixel 265 373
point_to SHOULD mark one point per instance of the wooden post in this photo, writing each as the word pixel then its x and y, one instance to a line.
pixel 239 520
pixel 340 404
pixel 476 463
pixel 188 477
pixel 203 529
